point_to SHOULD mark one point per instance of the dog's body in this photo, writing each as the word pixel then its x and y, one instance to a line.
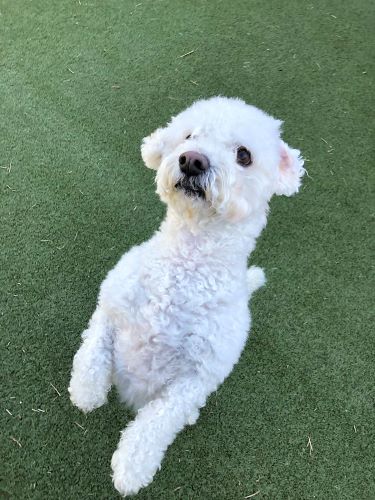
pixel 172 316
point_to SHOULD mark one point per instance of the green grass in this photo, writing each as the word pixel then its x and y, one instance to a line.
pixel 81 82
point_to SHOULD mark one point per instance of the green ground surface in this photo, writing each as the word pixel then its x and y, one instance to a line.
pixel 81 82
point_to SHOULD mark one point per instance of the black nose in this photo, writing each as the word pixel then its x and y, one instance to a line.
pixel 193 163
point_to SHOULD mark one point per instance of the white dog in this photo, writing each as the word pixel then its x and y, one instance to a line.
pixel 172 316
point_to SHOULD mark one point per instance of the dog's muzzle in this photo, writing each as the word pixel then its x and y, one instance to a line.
pixel 193 166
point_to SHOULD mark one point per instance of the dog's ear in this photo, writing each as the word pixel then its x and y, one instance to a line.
pixel 290 171
pixel 152 148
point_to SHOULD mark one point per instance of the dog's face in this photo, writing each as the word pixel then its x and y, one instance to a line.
pixel 222 157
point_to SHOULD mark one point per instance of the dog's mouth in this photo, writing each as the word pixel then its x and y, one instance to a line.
pixel 191 187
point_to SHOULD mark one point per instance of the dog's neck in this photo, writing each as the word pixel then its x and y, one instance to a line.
pixel 213 234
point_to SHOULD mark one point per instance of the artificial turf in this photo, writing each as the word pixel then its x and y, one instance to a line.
pixel 81 82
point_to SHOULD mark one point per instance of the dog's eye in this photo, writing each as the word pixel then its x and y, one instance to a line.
pixel 243 156
pixel 188 137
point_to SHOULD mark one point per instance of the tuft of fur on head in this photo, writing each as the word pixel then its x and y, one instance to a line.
pixel 216 128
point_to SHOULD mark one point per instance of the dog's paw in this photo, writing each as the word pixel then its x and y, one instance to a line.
pixel 91 377
pixel 132 470
pixel 85 395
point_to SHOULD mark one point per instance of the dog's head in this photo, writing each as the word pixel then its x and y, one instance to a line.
pixel 222 157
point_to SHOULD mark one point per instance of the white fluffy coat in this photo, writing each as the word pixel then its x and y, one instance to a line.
pixel 172 316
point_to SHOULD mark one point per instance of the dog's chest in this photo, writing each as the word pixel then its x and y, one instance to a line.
pixel 174 311
pixel 177 296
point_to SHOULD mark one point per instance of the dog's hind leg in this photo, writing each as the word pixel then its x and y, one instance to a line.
pixel 92 365
pixel 255 279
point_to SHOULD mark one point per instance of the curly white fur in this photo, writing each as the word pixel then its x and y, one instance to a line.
pixel 172 316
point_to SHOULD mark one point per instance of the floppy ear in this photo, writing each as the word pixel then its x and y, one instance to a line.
pixel 152 148
pixel 290 171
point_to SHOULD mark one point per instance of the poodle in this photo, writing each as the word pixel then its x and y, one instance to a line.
pixel 172 317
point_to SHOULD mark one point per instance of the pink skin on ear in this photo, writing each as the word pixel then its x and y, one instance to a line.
pixel 284 164
pixel 291 170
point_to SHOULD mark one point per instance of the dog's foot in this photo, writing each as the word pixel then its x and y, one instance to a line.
pixel 133 467
pixel 91 380
pixel 85 395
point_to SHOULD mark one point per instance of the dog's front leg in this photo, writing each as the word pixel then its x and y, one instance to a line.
pixel 92 365
pixel 144 442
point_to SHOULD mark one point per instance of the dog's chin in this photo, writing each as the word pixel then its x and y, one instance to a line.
pixel 191 188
